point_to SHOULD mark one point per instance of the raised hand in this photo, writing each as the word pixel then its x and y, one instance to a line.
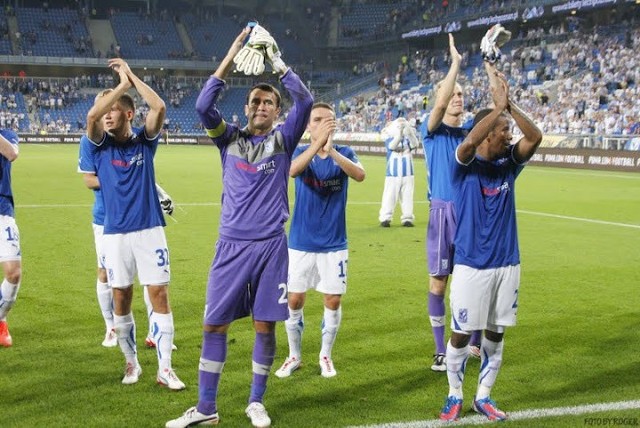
pixel 238 43
pixel 500 92
pixel 122 68
pixel 453 51
pixel 325 133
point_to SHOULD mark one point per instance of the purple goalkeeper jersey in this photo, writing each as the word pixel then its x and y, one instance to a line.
pixel 255 169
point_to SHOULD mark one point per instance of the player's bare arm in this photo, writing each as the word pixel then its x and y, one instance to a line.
pixel 157 107
pixel 227 63
pixel 91 181
pixel 445 88
pixel 352 169
pixel 8 150
pixel 95 128
pixel 528 144
pixel 467 150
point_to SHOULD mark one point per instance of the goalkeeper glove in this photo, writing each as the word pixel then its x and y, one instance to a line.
pixel 274 57
pixel 261 38
pixel 167 206
pixel 166 203
pixel 495 37
pixel 250 61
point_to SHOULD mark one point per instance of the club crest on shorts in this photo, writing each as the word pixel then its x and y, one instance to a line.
pixel 463 316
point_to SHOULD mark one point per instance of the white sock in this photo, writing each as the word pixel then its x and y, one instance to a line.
pixel 295 327
pixel 126 331
pixel 330 326
pixel 163 326
pixel 490 362
pixel 147 303
pixel 105 300
pixel 456 362
pixel 8 294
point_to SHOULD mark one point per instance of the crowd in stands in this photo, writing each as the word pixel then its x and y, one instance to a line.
pixel 571 81
pixel 591 85
pixel 588 85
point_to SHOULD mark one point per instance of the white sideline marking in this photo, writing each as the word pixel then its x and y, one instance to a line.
pixel 518 416
pixel 587 220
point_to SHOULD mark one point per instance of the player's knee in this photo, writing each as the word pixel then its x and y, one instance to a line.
pixel 438 284
pixel 332 301
pixel 14 274
pixel 159 297
pixel 460 339
pixel 295 300
pixel 264 326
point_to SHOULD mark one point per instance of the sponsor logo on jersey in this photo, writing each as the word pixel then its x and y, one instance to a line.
pixel 265 168
pixel 334 184
pixel 136 160
pixel 486 191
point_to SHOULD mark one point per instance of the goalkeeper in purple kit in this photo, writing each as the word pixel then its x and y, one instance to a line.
pixel 248 275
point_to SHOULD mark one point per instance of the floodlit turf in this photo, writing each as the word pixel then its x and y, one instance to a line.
pixel 576 342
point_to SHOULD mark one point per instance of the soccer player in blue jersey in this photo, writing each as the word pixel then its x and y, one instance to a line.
pixel 399 181
pixel 103 290
pixel 248 275
pixel 10 254
pixel 318 253
pixel 441 134
pixel 486 276
pixel 134 241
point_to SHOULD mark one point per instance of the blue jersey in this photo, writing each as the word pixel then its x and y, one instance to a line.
pixel 318 224
pixel 6 194
pixel 399 158
pixel 127 181
pixel 486 236
pixel 87 148
pixel 255 169
pixel 439 148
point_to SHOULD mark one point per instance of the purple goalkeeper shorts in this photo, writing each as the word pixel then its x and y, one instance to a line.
pixel 248 277
pixel 440 234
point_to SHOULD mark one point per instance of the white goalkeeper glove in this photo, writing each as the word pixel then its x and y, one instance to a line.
pixel 495 37
pixel 250 60
pixel 260 38
pixel 166 203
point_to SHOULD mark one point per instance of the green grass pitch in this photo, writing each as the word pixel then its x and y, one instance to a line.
pixel 576 341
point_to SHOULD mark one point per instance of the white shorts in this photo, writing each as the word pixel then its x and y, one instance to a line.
pixel 9 240
pixel 484 298
pixel 98 232
pixel 324 272
pixel 143 252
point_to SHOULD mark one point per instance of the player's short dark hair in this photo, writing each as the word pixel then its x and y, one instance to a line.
pixel 323 105
pixel 267 88
pixel 481 115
